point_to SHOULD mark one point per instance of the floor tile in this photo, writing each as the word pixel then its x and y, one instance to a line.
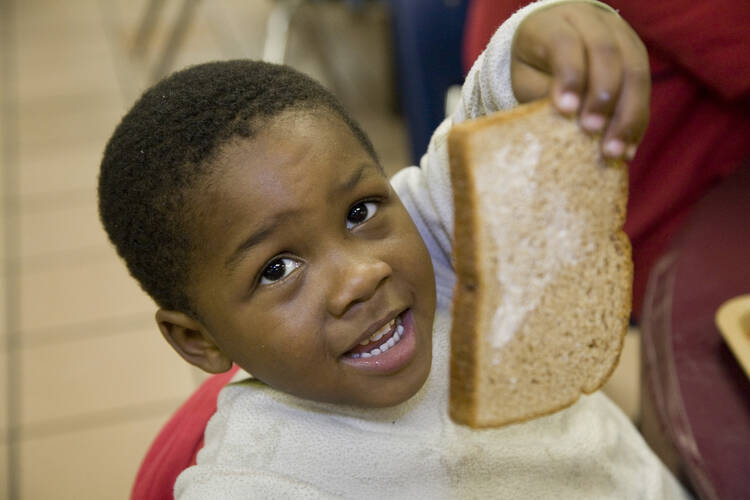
pixel 64 39
pixel 98 463
pixel 3 318
pixel 3 395
pixel 48 170
pixel 49 230
pixel 75 72
pixel 61 144
pixel 2 221
pixel 42 15
pixel 4 448
pixel 59 121
pixel 4 493
pixel 95 288
pixel 100 374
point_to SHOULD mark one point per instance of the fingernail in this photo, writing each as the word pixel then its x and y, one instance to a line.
pixel 592 123
pixel 568 102
pixel 614 148
pixel 630 152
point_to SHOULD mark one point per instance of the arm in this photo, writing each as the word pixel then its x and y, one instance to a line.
pixel 584 56
pixel 426 192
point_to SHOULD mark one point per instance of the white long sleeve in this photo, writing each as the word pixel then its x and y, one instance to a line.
pixel 487 89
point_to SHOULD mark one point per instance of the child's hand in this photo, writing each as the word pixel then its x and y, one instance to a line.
pixel 593 64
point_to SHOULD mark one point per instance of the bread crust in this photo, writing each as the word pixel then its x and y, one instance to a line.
pixel 470 399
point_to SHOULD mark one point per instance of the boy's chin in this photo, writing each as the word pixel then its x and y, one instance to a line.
pixel 392 401
pixel 394 397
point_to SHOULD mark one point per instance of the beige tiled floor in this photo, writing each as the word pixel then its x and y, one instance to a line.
pixel 96 461
pixel 128 369
pixel 78 289
pixel 94 380
pixel 4 396
pixel 91 381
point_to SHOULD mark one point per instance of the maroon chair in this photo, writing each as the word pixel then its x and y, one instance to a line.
pixel 696 398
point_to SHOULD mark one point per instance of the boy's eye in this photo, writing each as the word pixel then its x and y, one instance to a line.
pixel 277 269
pixel 360 212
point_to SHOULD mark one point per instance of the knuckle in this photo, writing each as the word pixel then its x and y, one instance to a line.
pixel 607 50
pixel 566 42
pixel 571 77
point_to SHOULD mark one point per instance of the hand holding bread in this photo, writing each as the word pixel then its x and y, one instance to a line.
pixel 544 276
pixel 544 273
pixel 592 64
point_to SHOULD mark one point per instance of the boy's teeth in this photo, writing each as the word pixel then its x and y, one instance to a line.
pixel 383 348
pixel 379 334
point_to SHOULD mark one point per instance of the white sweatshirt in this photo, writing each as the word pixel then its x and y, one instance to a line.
pixel 262 443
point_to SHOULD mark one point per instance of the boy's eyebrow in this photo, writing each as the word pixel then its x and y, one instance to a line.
pixel 273 222
pixel 354 179
pixel 262 233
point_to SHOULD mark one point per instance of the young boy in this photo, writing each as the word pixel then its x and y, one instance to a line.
pixel 254 211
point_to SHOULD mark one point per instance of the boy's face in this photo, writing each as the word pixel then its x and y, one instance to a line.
pixel 305 253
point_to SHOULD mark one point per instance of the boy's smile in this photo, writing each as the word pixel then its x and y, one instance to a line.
pixel 308 271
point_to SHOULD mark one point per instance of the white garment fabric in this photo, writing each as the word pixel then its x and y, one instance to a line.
pixel 262 443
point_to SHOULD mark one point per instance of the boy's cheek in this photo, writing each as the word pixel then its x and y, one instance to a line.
pixel 419 265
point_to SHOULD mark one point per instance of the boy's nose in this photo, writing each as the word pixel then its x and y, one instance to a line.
pixel 355 279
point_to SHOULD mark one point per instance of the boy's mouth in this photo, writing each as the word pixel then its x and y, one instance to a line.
pixel 388 350
pixel 380 341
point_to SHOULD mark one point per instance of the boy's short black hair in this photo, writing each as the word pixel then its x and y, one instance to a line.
pixel 166 143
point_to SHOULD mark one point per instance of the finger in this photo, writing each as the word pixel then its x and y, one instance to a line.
pixel 568 71
pixel 604 65
pixel 630 120
pixel 528 82
pixel 555 48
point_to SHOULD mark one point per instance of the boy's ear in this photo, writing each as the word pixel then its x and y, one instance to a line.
pixel 189 338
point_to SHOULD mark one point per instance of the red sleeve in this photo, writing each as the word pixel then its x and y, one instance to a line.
pixel 178 442
pixel 483 17
pixel 711 40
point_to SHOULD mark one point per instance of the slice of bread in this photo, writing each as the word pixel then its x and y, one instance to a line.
pixel 544 272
